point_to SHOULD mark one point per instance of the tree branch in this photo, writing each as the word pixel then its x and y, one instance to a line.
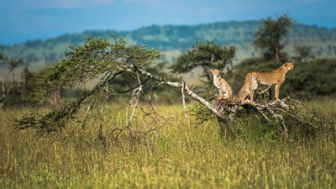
pixel 189 92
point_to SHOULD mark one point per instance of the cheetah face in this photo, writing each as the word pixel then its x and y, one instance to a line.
pixel 215 72
pixel 288 66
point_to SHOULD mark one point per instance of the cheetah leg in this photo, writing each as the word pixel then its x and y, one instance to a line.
pixel 221 95
pixel 251 95
pixel 277 91
pixel 241 96
pixel 251 98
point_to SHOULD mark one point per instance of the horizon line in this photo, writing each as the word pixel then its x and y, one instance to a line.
pixel 151 25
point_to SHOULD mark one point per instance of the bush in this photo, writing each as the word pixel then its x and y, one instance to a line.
pixel 250 125
pixel 311 79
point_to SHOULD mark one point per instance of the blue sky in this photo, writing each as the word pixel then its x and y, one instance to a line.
pixel 23 20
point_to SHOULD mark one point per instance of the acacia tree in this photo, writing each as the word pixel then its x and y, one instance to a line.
pixel 270 34
pixel 303 53
pixel 107 61
pixel 11 64
pixel 8 84
pixel 207 56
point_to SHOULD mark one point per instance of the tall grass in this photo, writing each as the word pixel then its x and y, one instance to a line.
pixel 179 155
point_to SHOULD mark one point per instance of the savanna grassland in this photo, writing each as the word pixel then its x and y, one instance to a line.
pixel 180 154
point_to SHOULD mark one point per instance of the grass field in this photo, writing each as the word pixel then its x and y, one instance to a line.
pixel 179 155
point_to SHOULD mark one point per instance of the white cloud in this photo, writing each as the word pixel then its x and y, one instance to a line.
pixel 64 4
pixel 69 4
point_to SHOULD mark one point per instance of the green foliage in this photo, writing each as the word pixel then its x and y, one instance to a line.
pixel 83 63
pixel 208 56
pixel 10 63
pixel 10 89
pixel 12 95
pixel 95 59
pixel 312 79
pixel 270 34
pixel 303 53
pixel 201 113
pixel 255 128
pixel 251 125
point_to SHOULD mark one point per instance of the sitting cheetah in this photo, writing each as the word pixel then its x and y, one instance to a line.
pixel 224 88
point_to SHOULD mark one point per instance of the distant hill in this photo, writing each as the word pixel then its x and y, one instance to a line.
pixel 173 39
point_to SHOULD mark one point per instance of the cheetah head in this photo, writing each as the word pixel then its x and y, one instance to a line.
pixel 215 72
pixel 288 66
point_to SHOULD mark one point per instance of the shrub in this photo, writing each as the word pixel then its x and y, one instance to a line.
pixel 311 79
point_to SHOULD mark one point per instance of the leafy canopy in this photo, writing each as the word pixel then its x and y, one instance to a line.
pixel 268 37
pixel 97 58
pixel 303 53
pixel 205 55
pixel 10 63
pixel 86 62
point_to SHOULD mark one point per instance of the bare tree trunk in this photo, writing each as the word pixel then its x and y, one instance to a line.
pixel 225 129
pixel 187 90
pixel 277 53
pixel 228 108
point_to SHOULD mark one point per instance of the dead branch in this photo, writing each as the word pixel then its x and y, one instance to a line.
pixel 183 100
pixel 83 123
pixel 225 110
pixel 135 99
pixel 189 92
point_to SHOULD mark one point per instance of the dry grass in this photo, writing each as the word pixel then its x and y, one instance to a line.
pixel 177 156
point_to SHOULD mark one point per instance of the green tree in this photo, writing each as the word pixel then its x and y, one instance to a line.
pixel 8 85
pixel 303 53
pixel 207 56
pixel 270 34
pixel 10 63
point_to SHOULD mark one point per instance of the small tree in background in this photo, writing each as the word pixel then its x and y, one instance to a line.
pixel 207 56
pixel 269 36
pixel 8 84
pixel 303 53
pixel 11 64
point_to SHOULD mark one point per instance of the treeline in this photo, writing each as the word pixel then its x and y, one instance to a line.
pixel 312 77
pixel 175 37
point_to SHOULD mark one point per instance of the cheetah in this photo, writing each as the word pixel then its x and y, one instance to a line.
pixel 275 77
pixel 225 91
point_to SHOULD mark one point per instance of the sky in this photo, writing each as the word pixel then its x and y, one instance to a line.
pixel 22 20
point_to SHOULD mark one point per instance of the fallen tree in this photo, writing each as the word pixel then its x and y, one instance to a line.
pixel 99 57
